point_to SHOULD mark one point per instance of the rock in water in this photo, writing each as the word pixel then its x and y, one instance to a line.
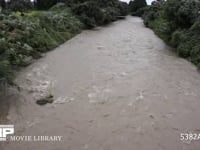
pixel 45 100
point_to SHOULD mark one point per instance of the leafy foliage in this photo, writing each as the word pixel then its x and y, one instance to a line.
pixel 2 3
pixel 20 5
pixel 46 4
pixel 136 7
pixel 93 13
pixel 25 37
pixel 178 24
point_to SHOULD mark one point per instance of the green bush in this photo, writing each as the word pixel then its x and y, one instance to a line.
pixel 3 45
pixel 178 24
pixel 26 37
pixel 139 12
pixel 93 13
pixel 89 13
pixel 184 49
pixel 135 5
pixel 20 5
pixel 109 14
pixel 30 35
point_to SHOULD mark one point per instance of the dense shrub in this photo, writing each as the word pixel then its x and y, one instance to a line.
pixel 45 4
pixel 93 13
pixel 139 12
pixel 20 5
pixel 136 7
pixel 25 37
pixel 178 24
pixel 2 3
pixel 89 13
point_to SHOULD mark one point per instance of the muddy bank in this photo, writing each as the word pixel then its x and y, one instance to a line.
pixel 116 87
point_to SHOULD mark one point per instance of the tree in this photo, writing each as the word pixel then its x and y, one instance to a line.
pixel 183 13
pixel 135 5
pixel 46 4
pixel 2 3
pixel 20 5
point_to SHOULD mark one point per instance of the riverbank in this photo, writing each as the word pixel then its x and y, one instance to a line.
pixel 178 24
pixel 111 92
pixel 26 36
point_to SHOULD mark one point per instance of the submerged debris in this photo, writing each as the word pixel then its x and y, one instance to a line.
pixel 49 99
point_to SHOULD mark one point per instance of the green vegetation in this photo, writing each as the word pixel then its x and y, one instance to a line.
pixel 26 37
pixel 136 7
pixel 28 29
pixel 178 24
pixel 20 5
pixel 99 12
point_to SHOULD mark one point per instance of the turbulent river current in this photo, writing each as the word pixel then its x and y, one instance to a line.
pixel 117 87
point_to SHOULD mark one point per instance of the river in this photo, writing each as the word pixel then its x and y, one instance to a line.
pixel 117 87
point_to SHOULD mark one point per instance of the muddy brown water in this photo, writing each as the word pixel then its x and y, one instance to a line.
pixel 117 87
